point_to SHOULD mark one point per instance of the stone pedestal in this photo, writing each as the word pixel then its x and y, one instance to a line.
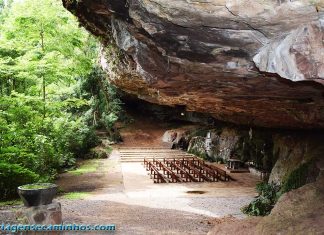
pixel 44 214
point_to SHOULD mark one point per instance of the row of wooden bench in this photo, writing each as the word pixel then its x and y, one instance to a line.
pixel 173 170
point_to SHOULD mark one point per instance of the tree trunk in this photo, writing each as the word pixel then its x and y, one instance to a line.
pixel 43 76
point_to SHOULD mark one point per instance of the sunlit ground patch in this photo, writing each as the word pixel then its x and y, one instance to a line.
pixel 76 195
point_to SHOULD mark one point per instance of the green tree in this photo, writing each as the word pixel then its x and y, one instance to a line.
pixel 43 55
pixel 42 44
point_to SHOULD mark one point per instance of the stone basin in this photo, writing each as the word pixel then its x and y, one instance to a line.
pixel 37 194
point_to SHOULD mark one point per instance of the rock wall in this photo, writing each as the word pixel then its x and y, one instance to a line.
pixel 223 142
pixel 197 146
pixel 227 143
pixel 299 211
pixel 237 60
pixel 275 151
pixel 296 56
pixel 292 150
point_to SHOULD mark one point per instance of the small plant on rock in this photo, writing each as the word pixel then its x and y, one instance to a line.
pixel 263 204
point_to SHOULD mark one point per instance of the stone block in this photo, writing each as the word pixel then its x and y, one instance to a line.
pixel 44 214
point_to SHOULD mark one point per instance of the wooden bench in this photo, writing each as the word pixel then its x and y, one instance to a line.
pixel 154 173
pixel 210 173
pixel 167 172
pixel 222 174
pixel 177 169
pixel 183 173
pixel 197 173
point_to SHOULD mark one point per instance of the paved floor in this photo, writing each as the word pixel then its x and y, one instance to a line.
pixel 131 200
pixel 215 199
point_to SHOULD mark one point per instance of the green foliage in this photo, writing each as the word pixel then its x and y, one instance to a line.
pixel 88 166
pixel 270 193
pixel 43 55
pixel 12 176
pixel 109 150
pixel 297 178
pixel 97 153
pixel 74 136
pixel 268 190
pixel 105 105
pixel 256 147
pixel 263 204
pixel 41 41
pixel 41 145
pixel 195 152
pixel 52 94
pixel 14 202
pixel 37 186
pixel 76 195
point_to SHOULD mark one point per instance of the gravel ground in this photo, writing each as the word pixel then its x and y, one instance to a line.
pixel 130 219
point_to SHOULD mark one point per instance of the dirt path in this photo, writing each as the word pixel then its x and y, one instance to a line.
pixel 144 132
pixel 123 194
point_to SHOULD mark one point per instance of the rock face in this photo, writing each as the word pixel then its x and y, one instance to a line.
pixel 237 60
pixel 222 146
pixel 293 150
pixel 221 143
pixel 227 142
pixel 299 211
pixel 278 152
pixel 296 56
pixel 197 146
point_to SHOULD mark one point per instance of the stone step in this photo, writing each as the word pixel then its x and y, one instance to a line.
pixel 135 152
pixel 149 158
pixel 134 148
pixel 129 161
pixel 177 157
pixel 162 154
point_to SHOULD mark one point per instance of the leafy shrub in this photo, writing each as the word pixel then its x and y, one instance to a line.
pixel 268 190
pixel 42 128
pixel 41 145
pixel 263 204
pixel 105 105
pixel 109 150
pixel 270 193
pixel 72 139
pixel 12 176
pixel 15 155
pixel 96 153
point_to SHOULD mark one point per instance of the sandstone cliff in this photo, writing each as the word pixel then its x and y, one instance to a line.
pixel 248 62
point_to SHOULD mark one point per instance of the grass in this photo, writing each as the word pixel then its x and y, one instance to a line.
pixel 88 166
pixel 37 186
pixel 109 149
pixel 15 202
pixel 76 195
